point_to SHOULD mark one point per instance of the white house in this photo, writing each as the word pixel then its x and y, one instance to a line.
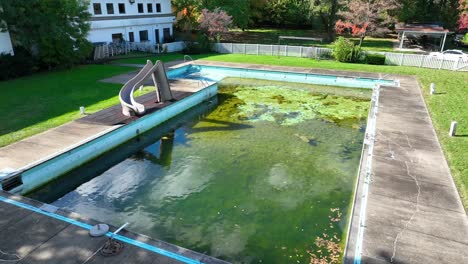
pixel 5 43
pixel 131 20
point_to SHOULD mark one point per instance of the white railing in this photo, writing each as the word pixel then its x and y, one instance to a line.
pixel 425 61
pixel 173 46
pixel 401 59
pixel 109 50
pixel 273 50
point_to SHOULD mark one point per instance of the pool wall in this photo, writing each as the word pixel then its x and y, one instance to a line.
pixel 45 172
pixel 216 73
pixel 357 222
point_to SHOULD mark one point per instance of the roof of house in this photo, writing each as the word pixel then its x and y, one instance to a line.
pixel 422 28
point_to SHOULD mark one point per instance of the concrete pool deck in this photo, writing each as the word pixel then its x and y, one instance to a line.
pixel 30 237
pixel 413 214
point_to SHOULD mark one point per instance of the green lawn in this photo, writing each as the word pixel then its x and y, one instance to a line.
pixel 33 104
pixel 270 36
pixel 153 57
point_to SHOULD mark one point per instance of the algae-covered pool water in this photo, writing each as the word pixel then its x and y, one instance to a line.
pixel 262 174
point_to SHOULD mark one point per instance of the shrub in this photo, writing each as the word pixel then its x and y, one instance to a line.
pixel 202 45
pixel 21 64
pixel 344 50
pixel 375 59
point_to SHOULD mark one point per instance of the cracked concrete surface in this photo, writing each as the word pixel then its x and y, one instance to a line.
pixel 414 213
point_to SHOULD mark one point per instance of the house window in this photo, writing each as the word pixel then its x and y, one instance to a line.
pixel 131 37
pixel 158 8
pixel 117 38
pixel 143 35
pixel 156 35
pixel 110 9
pixel 121 8
pixel 140 8
pixel 166 34
pixel 97 9
pixel 150 8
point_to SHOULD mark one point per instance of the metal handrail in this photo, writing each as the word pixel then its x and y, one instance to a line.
pixel 187 57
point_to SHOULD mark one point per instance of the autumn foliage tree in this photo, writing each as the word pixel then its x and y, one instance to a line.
pixel 363 17
pixel 215 22
pixel 463 21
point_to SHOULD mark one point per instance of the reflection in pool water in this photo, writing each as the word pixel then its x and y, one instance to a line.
pixel 251 181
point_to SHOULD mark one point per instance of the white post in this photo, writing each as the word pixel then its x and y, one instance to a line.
pixel 401 40
pixel 301 52
pixel 258 49
pixel 82 110
pixel 286 50
pixel 245 49
pixel 453 128
pixel 455 65
pixel 402 58
pixel 232 47
pixel 432 88
pixel 442 62
pixel 271 50
pixel 443 42
pixel 422 61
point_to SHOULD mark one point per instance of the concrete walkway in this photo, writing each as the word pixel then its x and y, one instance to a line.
pixel 31 237
pixel 38 148
pixel 414 213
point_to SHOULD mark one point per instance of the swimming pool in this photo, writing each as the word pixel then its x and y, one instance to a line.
pixel 255 175
pixel 216 74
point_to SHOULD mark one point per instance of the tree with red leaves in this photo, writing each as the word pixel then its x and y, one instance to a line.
pixel 463 21
pixel 215 22
pixel 366 16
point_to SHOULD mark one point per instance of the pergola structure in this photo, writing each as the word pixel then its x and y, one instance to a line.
pixel 298 38
pixel 422 29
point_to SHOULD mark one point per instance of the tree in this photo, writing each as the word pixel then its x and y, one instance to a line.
pixel 53 31
pixel 188 12
pixel 215 22
pixel 366 16
pixel 429 11
pixel 327 11
pixel 463 20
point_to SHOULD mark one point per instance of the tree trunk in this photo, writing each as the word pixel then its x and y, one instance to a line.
pixel 361 39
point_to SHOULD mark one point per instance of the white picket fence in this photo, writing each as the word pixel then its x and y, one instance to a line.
pixel 273 50
pixel 425 61
pixel 109 50
pixel 401 59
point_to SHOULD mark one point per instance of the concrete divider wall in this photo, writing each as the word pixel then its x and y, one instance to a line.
pixel 55 167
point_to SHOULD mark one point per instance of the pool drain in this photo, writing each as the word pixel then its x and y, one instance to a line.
pixel 112 248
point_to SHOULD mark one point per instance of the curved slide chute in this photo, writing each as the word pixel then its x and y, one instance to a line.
pixel 130 107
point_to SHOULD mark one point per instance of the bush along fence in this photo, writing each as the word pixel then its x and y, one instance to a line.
pixel 400 59
pixel 104 51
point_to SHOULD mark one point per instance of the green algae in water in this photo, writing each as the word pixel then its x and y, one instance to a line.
pixel 253 181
